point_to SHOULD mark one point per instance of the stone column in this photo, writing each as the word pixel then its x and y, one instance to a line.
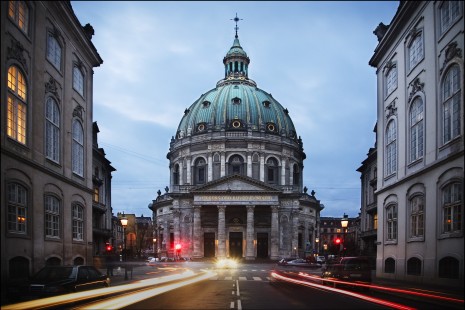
pixel 291 174
pixel 188 171
pixel 283 171
pixel 210 168
pixel 197 233
pixel 249 249
pixel 306 238
pixel 249 165
pixel 262 168
pixel 181 173
pixel 295 231
pixel 221 232
pixel 274 233
pixel 223 164
pixel 177 231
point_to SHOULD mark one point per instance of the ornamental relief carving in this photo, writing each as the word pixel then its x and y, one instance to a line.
pixel 416 86
pixel 452 51
pixel 52 87
pixel 391 109
pixel 15 51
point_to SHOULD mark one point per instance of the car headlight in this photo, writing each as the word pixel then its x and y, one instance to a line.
pixel 226 263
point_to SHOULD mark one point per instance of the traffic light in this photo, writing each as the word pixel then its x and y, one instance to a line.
pixel 337 241
pixel 177 246
pixel 108 247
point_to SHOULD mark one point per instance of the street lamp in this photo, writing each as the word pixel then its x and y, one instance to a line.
pixel 317 240
pixel 154 248
pixel 124 223
pixel 344 223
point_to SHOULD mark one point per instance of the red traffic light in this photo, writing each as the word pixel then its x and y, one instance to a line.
pixel 177 246
pixel 109 247
pixel 337 241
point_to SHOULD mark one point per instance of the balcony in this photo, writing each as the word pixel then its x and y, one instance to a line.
pixel 368 233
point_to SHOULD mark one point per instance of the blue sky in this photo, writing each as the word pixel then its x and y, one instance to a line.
pixel 160 56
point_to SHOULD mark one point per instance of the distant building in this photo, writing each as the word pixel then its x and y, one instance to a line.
pixel 47 63
pixel 331 230
pixel 236 172
pixel 420 143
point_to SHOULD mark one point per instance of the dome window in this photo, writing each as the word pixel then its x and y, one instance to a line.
pixel 266 104
pixel 206 104
pixel 236 124
pixel 201 127
pixel 236 100
pixel 271 127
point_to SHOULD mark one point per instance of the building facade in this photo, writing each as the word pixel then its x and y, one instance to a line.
pixel 331 229
pixel 236 166
pixel 47 62
pixel 420 155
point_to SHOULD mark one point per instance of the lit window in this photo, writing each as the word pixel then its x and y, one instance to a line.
pixel 52 130
pixel 53 51
pixel 417 216
pixel 391 222
pixel 18 11
pixel 449 13
pixel 78 222
pixel 416 129
pixel 78 81
pixel 78 148
pixel 96 194
pixel 451 97
pixel 391 148
pixel 391 80
pixel 416 50
pixel 52 217
pixel 17 209
pixel 452 206
pixel 17 108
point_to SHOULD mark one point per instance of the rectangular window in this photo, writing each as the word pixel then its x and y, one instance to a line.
pixel 391 223
pixel 17 209
pixel 78 223
pixel 53 51
pixel 449 13
pixel 18 11
pixel 452 208
pixel 416 51
pixel 52 217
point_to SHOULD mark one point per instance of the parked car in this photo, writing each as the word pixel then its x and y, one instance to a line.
pixel 57 280
pixel 283 261
pixel 349 269
pixel 320 260
pixel 299 262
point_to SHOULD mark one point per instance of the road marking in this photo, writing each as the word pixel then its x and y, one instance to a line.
pixel 238 293
pixel 243 278
pixel 239 306
pixel 228 278
pixel 232 305
pixel 257 278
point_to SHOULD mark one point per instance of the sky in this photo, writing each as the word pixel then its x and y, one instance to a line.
pixel 160 56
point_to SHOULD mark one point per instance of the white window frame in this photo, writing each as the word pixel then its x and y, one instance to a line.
pixel 52 217
pixel 391 80
pixel 78 148
pixel 54 51
pixel 52 130
pixel 78 80
pixel 78 222
pixel 416 123
pixel 416 50
pixel 17 105
pixel 451 104
pixel 18 11
pixel 449 13
pixel 391 222
pixel 452 208
pixel 17 209
pixel 391 148
pixel 417 216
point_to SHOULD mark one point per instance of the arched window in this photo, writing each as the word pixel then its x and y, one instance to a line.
pixel 53 51
pixel 78 80
pixel 176 175
pixel 78 222
pixel 200 171
pixel 53 261
pixel 52 130
pixel 452 208
pixel 272 171
pixel 414 266
pixel 391 79
pixel 52 217
pixel 296 174
pixel 18 11
pixel 17 208
pixel 236 165
pixel 449 268
pixel 78 148
pixel 417 218
pixel 415 50
pixel 78 261
pixel 389 265
pixel 391 148
pixel 451 105
pixel 17 105
pixel 391 222
pixel 416 129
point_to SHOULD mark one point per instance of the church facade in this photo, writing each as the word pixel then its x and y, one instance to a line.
pixel 236 174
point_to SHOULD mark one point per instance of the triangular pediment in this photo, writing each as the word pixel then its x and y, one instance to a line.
pixel 236 183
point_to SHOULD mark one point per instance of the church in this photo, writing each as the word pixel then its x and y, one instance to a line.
pixel 236 174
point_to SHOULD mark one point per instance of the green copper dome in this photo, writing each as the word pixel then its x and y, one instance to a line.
pixel 236 104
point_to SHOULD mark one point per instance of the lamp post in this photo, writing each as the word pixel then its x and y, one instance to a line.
pixel 124 223
pixel 317 241
pixel 344 223
pixel 154 247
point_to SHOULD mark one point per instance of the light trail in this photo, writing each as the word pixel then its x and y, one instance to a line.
pixel 81 296
pixel 352 294
pixel 384 288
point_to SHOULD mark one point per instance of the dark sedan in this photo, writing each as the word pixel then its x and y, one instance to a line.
pixel 56 280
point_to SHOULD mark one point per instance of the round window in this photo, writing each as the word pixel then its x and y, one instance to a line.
pixel 236 124
pixel 201 127
pixel 270 127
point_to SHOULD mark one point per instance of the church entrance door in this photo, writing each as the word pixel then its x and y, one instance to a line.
pixel 235 244
pixel 262 245
pixel 209 244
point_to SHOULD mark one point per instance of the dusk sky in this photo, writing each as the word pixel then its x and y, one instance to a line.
pixel 160 56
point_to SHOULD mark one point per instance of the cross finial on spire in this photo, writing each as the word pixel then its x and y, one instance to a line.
pixel 236 19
